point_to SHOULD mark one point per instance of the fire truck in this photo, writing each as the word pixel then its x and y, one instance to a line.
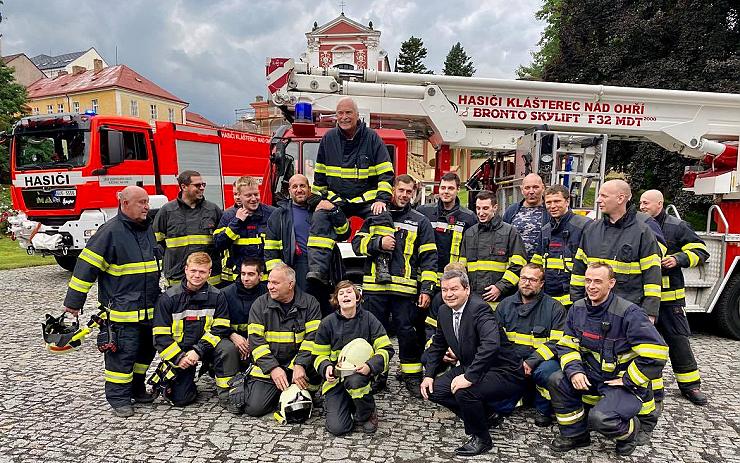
pixel 559 131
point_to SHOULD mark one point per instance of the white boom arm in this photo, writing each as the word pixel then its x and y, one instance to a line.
pixel 461 111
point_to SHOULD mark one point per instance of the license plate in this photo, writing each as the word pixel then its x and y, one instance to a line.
pixel 65 193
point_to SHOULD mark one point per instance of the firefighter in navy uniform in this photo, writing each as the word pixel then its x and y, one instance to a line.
pixel 353 173
pixel 186 225
pixel 560 239
pixel 449 219
pixel 189 321
pixel 413 259
pixel 122 256
pixel 348 397
pixel 609 355
pixel 241 232
pixel 684 249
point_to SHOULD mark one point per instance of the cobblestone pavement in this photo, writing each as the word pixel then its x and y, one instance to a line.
pixel 52 409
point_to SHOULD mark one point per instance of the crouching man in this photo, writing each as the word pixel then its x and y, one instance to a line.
pixel 609 354
pixel 189 320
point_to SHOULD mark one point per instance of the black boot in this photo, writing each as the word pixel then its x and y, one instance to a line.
pixel 629 444
pixel 413 385
pixel 695 396
pixel 563 444
pixel 382 267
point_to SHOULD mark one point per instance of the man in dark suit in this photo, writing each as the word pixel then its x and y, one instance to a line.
pixel 487 370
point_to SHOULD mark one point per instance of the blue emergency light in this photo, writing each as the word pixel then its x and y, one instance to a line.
pixel 303 112
pixel 90 112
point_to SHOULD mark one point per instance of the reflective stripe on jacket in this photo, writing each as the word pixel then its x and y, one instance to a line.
pixel 449 229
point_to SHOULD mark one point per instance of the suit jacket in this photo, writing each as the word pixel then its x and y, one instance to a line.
pixel 482 346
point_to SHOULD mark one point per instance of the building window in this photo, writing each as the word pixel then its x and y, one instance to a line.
pixel 171 115
pixel 76 106
pixel 134 108
pixel 60 108
pixel 35 111
pixel 49 109
pixel 153 111
pixel 94 104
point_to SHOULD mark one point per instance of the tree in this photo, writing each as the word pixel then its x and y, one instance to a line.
pixel 458 63
pixel 12 107
pixel 411 57
pixel 549 42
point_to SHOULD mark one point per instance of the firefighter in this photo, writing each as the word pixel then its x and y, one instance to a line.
pixel 530 214
pixel 282 327
pixel 493 252
pixel 346 388
pixel 609 354
pixel 685 249
pixel 533 322
pixel 225 272
pixel 122 256
pixel 189 321
pixel 241 233
pixel 286 238
pixel 353 174
pixel 233 349
pixel 185 225
pixel 560 239
pixel 487 370
pixel 413 257
pixel 449 220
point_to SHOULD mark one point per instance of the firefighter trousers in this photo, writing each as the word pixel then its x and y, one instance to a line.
pixel 535 389
pixel 674 327
pixel 402 312
pixel 322 237
pixel 471 404
pixel 610 410
pixel 263 395
pixel 226 363
pixel 347 403
pixel 125 369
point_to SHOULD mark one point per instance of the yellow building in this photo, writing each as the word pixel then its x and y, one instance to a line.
pixel 116 90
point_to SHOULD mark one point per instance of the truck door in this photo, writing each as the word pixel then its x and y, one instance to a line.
pixel 126 158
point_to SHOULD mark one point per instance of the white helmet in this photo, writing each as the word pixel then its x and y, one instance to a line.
pixel 295 405
pixel 353 355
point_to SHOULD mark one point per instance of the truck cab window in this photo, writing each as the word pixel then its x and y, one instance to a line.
pixel 134 147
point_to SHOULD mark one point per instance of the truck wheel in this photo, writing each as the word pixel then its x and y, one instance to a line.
pixel 66 262
pixel 727 311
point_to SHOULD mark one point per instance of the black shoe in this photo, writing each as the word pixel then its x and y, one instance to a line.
pixel 413 385
pixel 495 420
pixel 318 277
pixel 371 425
pixel 475 446
pixel 382 267
pixel 695 396
pixel 643 437
pixel 379 383
pixel 563 444
pixel 542 421
pixel 124 411
pixel 144 398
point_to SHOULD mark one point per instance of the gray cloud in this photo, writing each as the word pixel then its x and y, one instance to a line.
pixel 212 54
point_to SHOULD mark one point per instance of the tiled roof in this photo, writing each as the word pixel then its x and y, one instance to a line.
pixel 45 62
pixel 9 58
pixel 196 118
pixel 120 76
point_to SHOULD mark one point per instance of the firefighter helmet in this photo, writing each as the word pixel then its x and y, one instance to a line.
pixel 61 336
pixel 353 355
pixel 295 405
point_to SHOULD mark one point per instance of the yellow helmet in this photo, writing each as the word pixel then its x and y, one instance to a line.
pixel 353 355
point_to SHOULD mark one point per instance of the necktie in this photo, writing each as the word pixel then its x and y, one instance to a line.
pixel 456 323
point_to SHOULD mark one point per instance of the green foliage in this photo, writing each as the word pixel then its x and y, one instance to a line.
pixel 13 99
pixel 549 43
pixel 411 57
pixel 458 63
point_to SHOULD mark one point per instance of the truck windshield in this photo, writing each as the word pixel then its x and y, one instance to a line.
pixel 55 149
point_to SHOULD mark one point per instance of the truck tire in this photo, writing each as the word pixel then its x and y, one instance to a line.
pixel 66 262
pixel 726 313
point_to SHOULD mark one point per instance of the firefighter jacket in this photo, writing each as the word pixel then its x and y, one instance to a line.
pixel 280 243
pixel 482 344
pixel 631 248
pixel 689 250
pixel 240 300
pixel 558 247
pixel 414 257
pixel 449 228
pixel 282 338
pixel 123 256
pixel 353 171
pixel 534 328
pixel 241 238
pixel 186 319
pixel 494 254
pixel 182 230
pixel 336 331
pixel 611 340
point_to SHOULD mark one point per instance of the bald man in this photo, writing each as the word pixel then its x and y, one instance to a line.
pixel 529 215
pixel 685 249
pixel 121 257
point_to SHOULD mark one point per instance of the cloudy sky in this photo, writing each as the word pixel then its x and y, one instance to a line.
pixel 212 53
